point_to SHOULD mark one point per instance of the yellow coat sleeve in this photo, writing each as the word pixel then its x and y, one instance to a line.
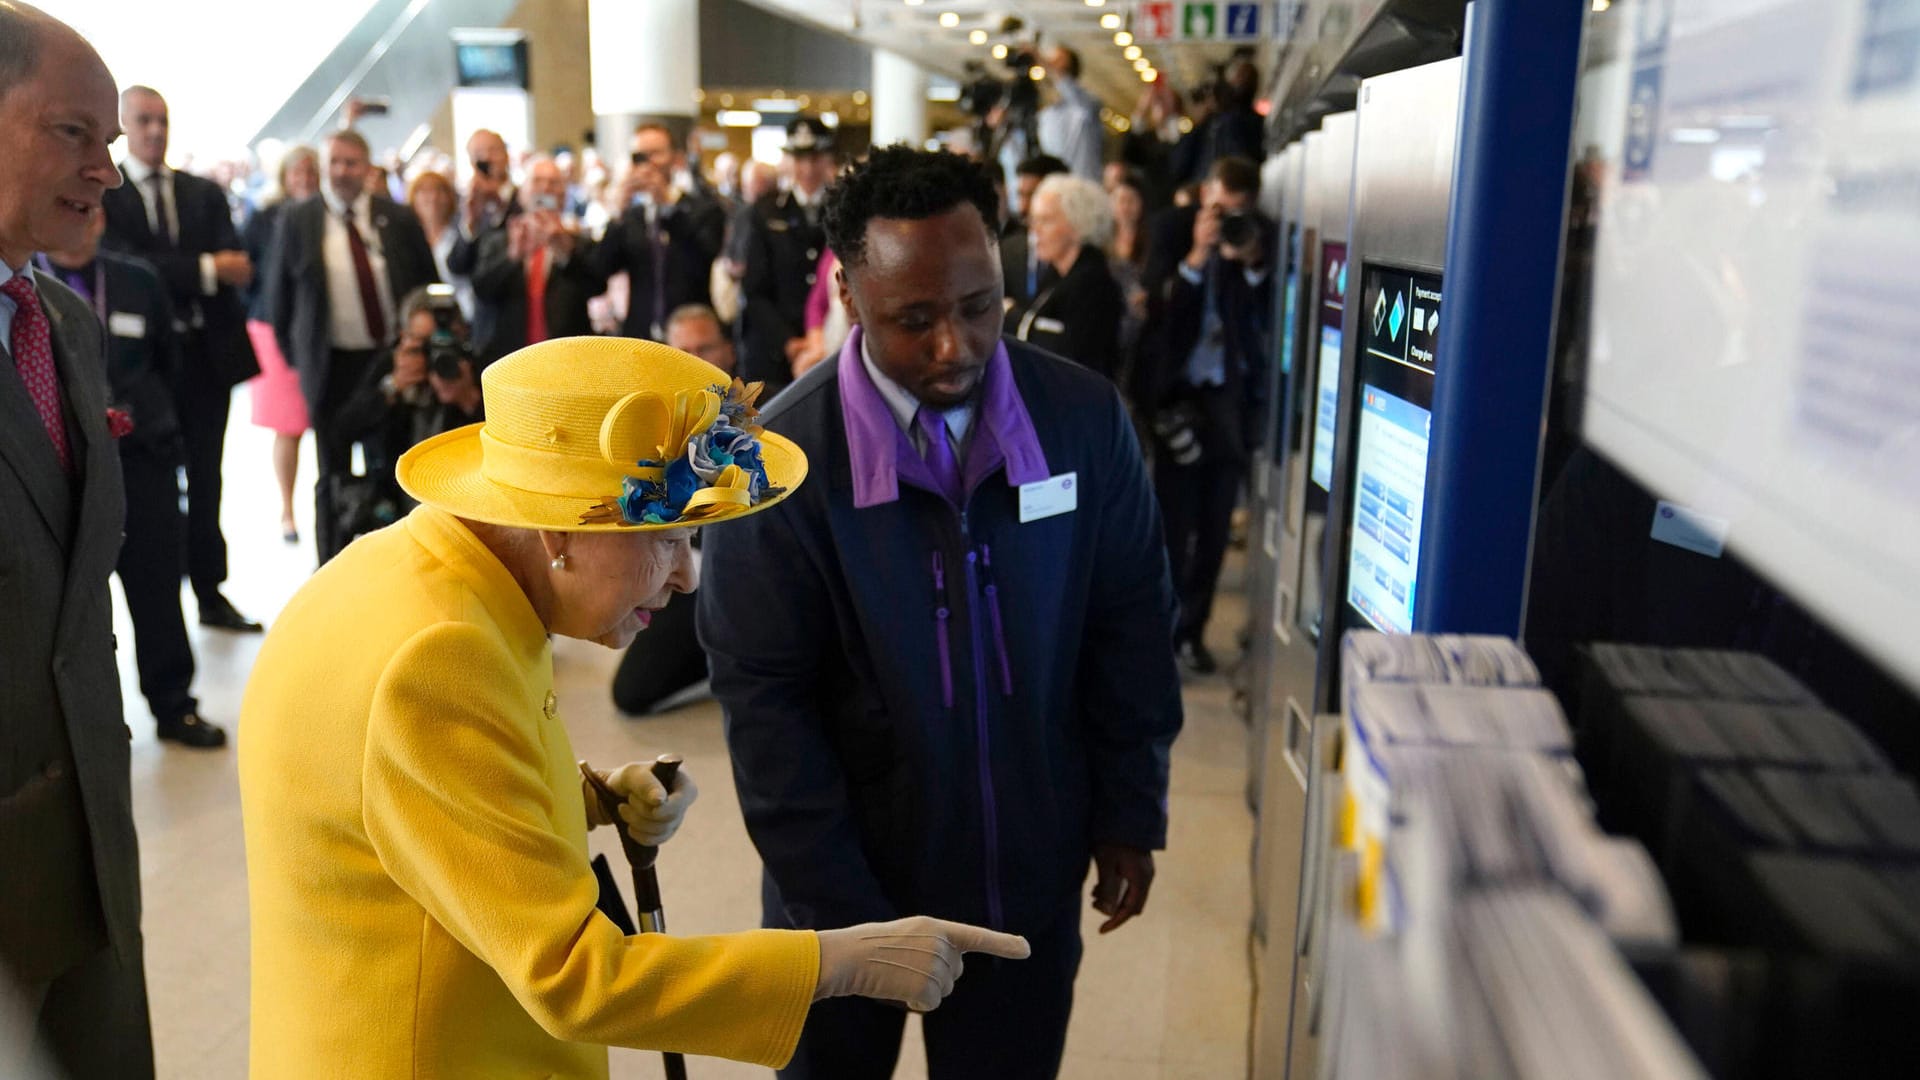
pixel 461 812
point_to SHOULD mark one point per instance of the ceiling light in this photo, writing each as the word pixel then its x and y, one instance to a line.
pixel 1123 123
pixel 1123 38
pixel 999 52
pixel 699 95
pixel 949 19
pixel 978 37
pixel 1132 52
pixel 915 3
pixel 1036 73
pixel 738 118
pixel 1149 75
pixel 859 97
pixel 1602 5
pixel 1141 63
pixel 803 101
pixel 1111 21
pixel 726 101
pixel 1096 3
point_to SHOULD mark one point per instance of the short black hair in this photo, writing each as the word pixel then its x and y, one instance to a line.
pixel 1073 61
pixel 899 181
pixel 1236 174
pixel 1041 165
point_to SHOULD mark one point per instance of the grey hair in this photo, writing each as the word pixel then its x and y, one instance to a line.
pixel 686 313
pixel 23 31
pixel 1084 204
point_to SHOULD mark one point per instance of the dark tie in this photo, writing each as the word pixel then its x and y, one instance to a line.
pixel 659 272
pixel 939 453
pixel 162 231
pixel 363 273
pixel 32 347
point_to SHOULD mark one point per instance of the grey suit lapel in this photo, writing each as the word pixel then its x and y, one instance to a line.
pixel 25 447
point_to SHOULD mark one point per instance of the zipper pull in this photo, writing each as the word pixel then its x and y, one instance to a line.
pixel 942 611
pixel 991 591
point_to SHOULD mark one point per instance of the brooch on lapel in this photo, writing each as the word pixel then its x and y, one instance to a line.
pixel 119 423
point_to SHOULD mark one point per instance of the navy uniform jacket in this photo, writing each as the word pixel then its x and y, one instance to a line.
pixel 142 350
pixel 939 712
pixel 783 258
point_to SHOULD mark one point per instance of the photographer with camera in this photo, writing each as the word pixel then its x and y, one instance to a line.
pixel 431 386
pixel 1209 289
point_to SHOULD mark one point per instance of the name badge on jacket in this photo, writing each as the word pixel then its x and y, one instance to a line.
pixel 129 324
pixel 1050 497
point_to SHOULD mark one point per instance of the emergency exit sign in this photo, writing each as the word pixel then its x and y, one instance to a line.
pixel 1202 20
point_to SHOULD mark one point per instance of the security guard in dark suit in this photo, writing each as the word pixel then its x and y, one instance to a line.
pixel 783 258
pixel 143 357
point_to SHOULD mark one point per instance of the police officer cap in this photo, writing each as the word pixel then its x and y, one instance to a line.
pixel 807 135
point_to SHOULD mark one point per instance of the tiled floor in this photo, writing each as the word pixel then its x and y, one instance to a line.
pixel 1166 997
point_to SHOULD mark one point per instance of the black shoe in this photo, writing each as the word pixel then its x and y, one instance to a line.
pixel 217 613
pixel 1196 659
pixel 190 730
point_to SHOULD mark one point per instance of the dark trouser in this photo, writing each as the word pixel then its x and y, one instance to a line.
pixel 1005 1020
pixel 149 571
pixel 662 661
pixel 332 447
pixel 89 1022
pixel 202 407
pixel 1196 507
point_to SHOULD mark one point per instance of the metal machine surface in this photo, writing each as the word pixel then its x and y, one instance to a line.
pixel 1404 143
pixel 1325 205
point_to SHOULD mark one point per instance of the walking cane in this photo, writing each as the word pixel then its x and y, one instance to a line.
pixel 646 884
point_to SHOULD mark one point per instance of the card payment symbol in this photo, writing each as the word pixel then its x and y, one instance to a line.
pixel 1379 311
pixel 1397 317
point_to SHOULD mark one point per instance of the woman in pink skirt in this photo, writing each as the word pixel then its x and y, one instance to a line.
pixel 277 402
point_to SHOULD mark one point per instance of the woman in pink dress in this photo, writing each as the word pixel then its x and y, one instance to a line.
pixel 277 402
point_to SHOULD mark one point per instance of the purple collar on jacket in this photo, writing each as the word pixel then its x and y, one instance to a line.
pixel 882 455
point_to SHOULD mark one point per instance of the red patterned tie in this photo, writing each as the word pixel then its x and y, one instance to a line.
pixel 32 347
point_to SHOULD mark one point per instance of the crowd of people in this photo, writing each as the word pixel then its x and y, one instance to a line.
pixel 912 323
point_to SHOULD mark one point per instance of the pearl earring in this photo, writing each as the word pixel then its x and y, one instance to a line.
pixel 559 561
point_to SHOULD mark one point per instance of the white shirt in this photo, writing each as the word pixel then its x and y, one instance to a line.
pixel 349 320
pixel 139 174
pixel 904 407
pixel 462 285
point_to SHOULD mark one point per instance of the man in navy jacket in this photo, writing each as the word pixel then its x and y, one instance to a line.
pixel 946 666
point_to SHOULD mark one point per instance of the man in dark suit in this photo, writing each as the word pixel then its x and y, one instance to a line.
pixel 534 277
pixel 666 242
pixel 181 224
pixel 142 352
pixel 346 257
pixel 70 943
pixel 491 201
pixel 1203 351
pixel 784 243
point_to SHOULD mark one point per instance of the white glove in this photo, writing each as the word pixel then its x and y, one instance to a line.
pixel 652 815
pixel 912 961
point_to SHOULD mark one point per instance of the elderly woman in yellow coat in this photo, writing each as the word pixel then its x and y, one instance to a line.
pixel 422 903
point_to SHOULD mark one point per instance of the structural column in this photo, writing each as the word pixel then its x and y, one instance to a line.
pixel 899 100
pixel 646 65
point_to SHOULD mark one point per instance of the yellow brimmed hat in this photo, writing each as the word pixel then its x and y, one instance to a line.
pixel 603 434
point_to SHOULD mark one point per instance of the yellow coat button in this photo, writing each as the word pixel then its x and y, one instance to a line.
pixel 551 706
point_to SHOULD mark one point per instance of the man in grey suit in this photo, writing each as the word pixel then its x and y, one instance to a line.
pixel 70 944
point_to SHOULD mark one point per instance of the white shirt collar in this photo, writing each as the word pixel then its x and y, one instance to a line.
pixel 336 206
pixel 138 171
pixel 8 273
pixel 806 200
pixel 904 406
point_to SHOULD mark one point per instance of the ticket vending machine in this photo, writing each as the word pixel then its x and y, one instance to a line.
pixel 1280 199
pixel 1390 318
pixel 1284 700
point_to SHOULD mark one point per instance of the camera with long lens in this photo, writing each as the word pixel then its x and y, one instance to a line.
pixel 447 346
